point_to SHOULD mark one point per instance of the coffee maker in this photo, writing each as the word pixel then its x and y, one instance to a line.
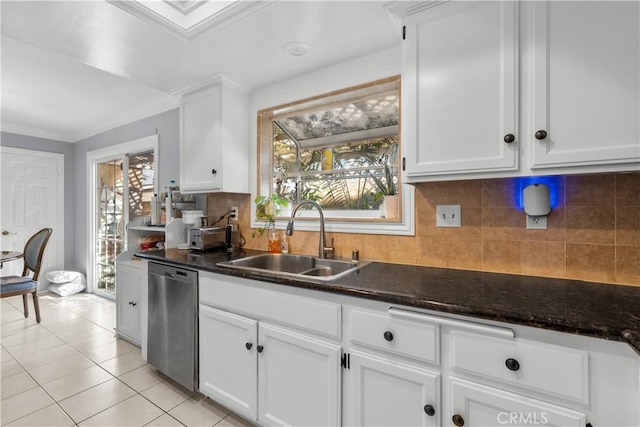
pixel 232 238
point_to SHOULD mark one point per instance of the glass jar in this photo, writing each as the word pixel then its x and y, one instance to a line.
pixel 274 242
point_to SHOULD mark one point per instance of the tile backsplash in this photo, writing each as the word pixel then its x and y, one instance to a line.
pixel 593 229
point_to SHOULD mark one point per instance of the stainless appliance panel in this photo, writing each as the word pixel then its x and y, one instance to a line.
pixel 172 341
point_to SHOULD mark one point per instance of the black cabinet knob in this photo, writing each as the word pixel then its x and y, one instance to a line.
pixel 457 420
pixel 429 410
pixel 388 335
pixel 259 348
pixel 509 138
pixel 133 304
pixel 213 171
pixel 541 134
pixel 512 364
pixel 248 345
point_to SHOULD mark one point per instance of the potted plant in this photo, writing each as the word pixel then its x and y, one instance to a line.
pixel 267 210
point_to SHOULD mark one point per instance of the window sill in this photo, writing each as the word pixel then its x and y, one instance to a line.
pixel 373 225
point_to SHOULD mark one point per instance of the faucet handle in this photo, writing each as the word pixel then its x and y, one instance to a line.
pixel 329 250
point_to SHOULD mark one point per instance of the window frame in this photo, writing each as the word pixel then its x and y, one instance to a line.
pixel 367 223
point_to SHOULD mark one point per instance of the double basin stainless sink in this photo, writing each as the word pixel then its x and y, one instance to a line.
pixel 297 266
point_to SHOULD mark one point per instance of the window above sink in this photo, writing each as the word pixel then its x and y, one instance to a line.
pixel 341 150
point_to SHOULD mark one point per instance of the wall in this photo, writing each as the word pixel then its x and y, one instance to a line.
pixel 593 234
pixel 66 149
pixel 166 125
pixel 594 227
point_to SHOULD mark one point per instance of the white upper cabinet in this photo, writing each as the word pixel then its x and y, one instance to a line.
pixel 586 89
pixel 214 138
pixel 460 103
pixel 558 79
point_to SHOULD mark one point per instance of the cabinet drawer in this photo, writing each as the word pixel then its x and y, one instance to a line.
pixel 478 405
pixel 411 338
pixel 554 370
pixel 246 296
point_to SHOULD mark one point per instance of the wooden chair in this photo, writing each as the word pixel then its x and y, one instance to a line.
pixel 24 285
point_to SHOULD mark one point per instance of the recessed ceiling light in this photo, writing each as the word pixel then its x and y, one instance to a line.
pixel 296 48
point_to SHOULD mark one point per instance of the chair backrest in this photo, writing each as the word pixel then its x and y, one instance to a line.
pixel 33 251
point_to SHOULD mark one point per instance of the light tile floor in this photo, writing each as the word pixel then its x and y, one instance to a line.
pixel 71 370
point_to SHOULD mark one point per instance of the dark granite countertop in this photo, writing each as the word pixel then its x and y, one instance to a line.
pixel 573 306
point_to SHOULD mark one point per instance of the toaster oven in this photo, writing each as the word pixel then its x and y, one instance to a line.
pixel 203 238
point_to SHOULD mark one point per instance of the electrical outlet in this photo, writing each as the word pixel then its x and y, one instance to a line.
pixel 234 214
pixel 536 222
pixel 448 216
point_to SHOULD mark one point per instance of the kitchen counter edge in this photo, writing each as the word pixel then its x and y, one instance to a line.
pixel 572 306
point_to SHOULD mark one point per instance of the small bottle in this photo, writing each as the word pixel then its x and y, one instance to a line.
pixel 274 246
pixel 284 243
pixel 154 209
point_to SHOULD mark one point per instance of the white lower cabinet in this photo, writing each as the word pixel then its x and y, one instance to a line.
pixel 228 365
pixel 269 374
pixel 288 356
pixel 131 277
pixel 387 392
pixel 299 379
pixel 478 405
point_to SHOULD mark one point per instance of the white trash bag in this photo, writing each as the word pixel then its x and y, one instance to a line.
pixel 65 283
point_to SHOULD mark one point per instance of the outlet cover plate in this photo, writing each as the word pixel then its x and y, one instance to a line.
pixel 536 222
pixel 448 216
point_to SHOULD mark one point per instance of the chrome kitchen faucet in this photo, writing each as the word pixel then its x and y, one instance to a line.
pixel 323 250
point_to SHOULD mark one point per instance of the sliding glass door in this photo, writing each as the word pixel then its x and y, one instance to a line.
pixel 121 183
pixel 109 233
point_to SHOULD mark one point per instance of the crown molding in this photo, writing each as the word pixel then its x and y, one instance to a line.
pixel 36 132
pixel 215 80
pixel 205 18
pixel 185 7
pixel 404 8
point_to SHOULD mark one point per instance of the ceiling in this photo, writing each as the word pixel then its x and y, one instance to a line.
pixel 72 69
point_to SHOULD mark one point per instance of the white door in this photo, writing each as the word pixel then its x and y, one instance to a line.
pixel 228 365
pixel 386 392
pixel 586 96
pixel 462 114
pixel 200 145
pixel 475 405
pixel 129 305
pixel 298 379
pixel 32 199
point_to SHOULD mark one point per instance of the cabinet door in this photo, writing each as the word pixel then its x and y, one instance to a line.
pixel 477 405
pixel 128 301
pixel 586 91
pixel 228 366
pixel 200 150
pixel 299 379
pixel 460 87
pixel 387 393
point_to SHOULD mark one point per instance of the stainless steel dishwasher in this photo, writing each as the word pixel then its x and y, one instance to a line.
pixel 172 343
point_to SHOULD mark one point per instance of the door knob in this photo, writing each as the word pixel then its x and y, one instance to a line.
pixel 457 420
pixel 6 233
pixel 429 410
pixel 512 364
pixel 388 335
pixel 248 345
pixel 260 348
pixel 541 134
pixel 509 138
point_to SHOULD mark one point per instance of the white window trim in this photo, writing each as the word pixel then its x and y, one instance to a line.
pixel 357 226
pixel 93 158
